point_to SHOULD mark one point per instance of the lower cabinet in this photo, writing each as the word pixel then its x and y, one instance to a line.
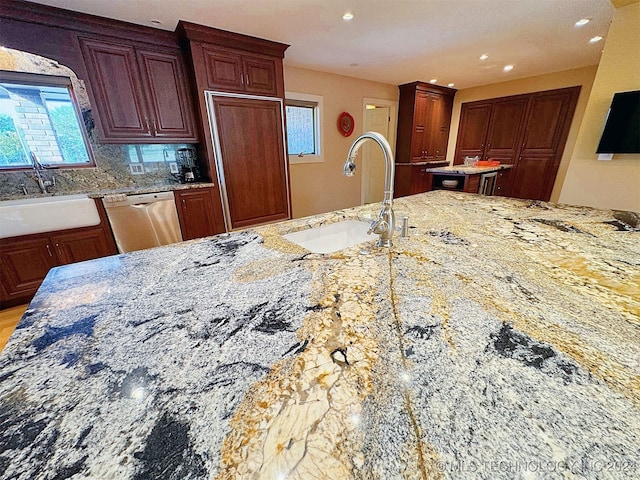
pixel 502 183
pixel 412 179
pixel 196 212
pixel 26 260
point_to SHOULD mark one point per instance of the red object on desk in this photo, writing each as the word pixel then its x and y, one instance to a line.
pixel 488 163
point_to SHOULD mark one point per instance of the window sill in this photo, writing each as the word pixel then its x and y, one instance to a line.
pixel 295 159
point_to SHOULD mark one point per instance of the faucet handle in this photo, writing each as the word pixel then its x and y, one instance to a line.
pixel 378 226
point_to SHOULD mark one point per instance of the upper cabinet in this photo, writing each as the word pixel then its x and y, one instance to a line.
pixel 141 94
pixel 238 72
pixel 424 118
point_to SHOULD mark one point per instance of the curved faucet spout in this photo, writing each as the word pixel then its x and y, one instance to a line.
pixel 385 224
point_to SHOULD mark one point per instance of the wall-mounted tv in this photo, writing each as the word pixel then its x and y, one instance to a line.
pixel 622 130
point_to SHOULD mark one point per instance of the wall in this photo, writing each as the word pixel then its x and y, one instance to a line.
pixel 616 183
pixel 569 78
pixel 321 187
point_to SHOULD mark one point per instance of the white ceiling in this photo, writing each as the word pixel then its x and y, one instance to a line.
pixel 396 41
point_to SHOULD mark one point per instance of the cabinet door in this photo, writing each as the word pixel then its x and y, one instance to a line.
pixel 420 180
pixel 114 80
pixel 420 136
pixel 472 133
pixel 504 134
pixel 546 128
pixel 260 75
pixel 441 107
pixel 502 183
pixel 196 213
pixel 253 163
pixel 165 84
pixel 81 245
pixel 224 70
pixel 25 263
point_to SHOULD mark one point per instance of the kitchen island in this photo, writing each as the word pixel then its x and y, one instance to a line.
pixel 501 340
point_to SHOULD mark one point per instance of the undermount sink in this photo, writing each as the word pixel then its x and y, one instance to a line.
pixel 333 237
pixel 46 214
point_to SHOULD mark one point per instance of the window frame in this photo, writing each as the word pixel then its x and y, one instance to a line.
pixel 38 79
pixel 294 99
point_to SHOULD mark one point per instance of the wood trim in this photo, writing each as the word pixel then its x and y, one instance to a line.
pixel 427 87
pixel 237 41
pixel 85 23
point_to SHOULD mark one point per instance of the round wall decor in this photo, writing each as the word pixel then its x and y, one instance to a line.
pixel 345 124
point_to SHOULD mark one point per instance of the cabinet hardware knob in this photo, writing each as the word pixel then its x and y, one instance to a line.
pixel 49 251
pixel 154 130
pixel 242 78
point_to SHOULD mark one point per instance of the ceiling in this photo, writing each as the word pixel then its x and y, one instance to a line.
pixel 396 41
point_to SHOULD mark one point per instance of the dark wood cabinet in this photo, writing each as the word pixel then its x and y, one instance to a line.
pixel 165 86
pixel 80 245
pixel 424 118
pixel 231 71
pixel 502 187
pixel 26 260
pixel 141 95
pixel 247 148
pixel 196 212
pixel 255 168
pixel 528 131
pixel 411 179
pixel 25 263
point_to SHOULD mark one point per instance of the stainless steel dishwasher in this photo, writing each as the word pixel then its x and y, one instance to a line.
pixel 143 221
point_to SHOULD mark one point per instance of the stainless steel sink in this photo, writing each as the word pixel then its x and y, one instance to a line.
pixel 333 237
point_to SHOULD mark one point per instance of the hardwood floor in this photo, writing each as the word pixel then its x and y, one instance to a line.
pixel 9 318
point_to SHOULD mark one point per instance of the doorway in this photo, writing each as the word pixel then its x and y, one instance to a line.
pixel 379 116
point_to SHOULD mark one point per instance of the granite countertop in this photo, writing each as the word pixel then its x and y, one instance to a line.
pixel 462 170
pixel 501 340
pixel 125 190
pixel 425 163
pixel 151 189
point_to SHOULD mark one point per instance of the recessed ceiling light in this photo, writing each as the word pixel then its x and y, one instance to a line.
pixel 484 56
pixel 433 80
pixel 508 68
pixel 155 21
pixel 582 22
pixel 595 39
pixel 451 84
pixel 347 16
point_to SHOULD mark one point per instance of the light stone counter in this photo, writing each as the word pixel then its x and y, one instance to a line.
pixel 501 340
pixel 462 170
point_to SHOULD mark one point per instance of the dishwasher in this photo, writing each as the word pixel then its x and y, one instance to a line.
pixel 142 221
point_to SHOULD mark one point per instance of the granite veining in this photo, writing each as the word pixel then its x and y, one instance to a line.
pixel 501 340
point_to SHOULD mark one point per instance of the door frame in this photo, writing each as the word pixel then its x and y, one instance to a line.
pixel 393 122
pixel 210 96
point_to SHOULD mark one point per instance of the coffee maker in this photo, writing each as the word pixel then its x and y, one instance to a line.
pixel 187 163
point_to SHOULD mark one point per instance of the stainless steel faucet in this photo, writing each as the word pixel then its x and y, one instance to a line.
pixel 385 223
pixel 37 169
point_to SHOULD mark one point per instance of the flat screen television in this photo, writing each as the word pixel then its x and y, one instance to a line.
pixel 622 130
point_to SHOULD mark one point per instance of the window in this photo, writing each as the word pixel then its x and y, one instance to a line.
pixel 304 120
pixel 38 116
